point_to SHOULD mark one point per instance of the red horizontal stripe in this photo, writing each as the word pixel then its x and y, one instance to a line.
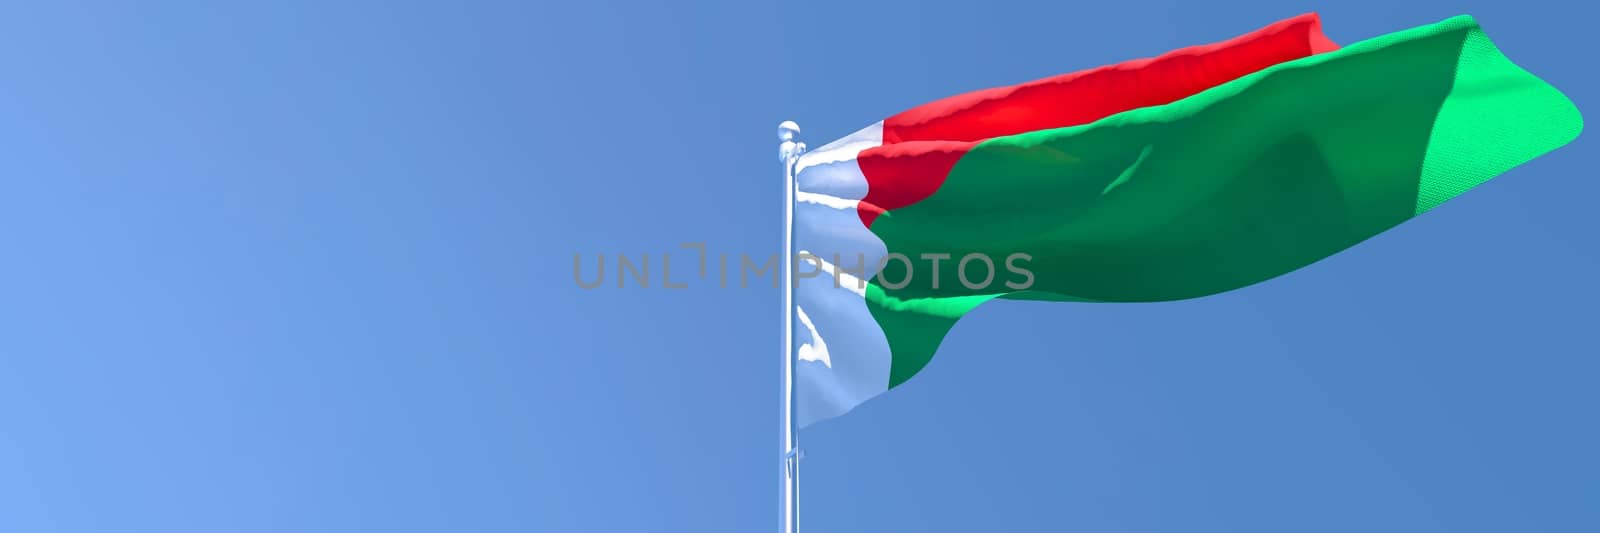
pixel 899 175
pixel 1089 95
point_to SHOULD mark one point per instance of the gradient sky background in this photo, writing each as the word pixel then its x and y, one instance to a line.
pixel 307 266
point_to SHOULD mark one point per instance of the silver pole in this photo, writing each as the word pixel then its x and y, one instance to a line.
pixel 788 152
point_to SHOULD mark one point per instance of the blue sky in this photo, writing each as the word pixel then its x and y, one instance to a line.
pixel 303 266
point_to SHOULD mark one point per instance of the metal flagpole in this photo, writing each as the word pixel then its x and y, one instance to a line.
pixel 789 151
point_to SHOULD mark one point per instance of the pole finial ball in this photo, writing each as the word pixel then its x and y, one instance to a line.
pixel 788 130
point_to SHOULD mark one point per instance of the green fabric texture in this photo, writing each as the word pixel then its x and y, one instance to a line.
pixel 1227 188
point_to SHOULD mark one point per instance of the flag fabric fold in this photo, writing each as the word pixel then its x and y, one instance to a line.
pixel 1197 172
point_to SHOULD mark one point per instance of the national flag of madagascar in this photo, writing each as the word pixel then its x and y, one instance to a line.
pixel 1200 171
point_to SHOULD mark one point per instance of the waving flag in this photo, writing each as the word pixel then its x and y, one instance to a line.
pixel 1200 171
